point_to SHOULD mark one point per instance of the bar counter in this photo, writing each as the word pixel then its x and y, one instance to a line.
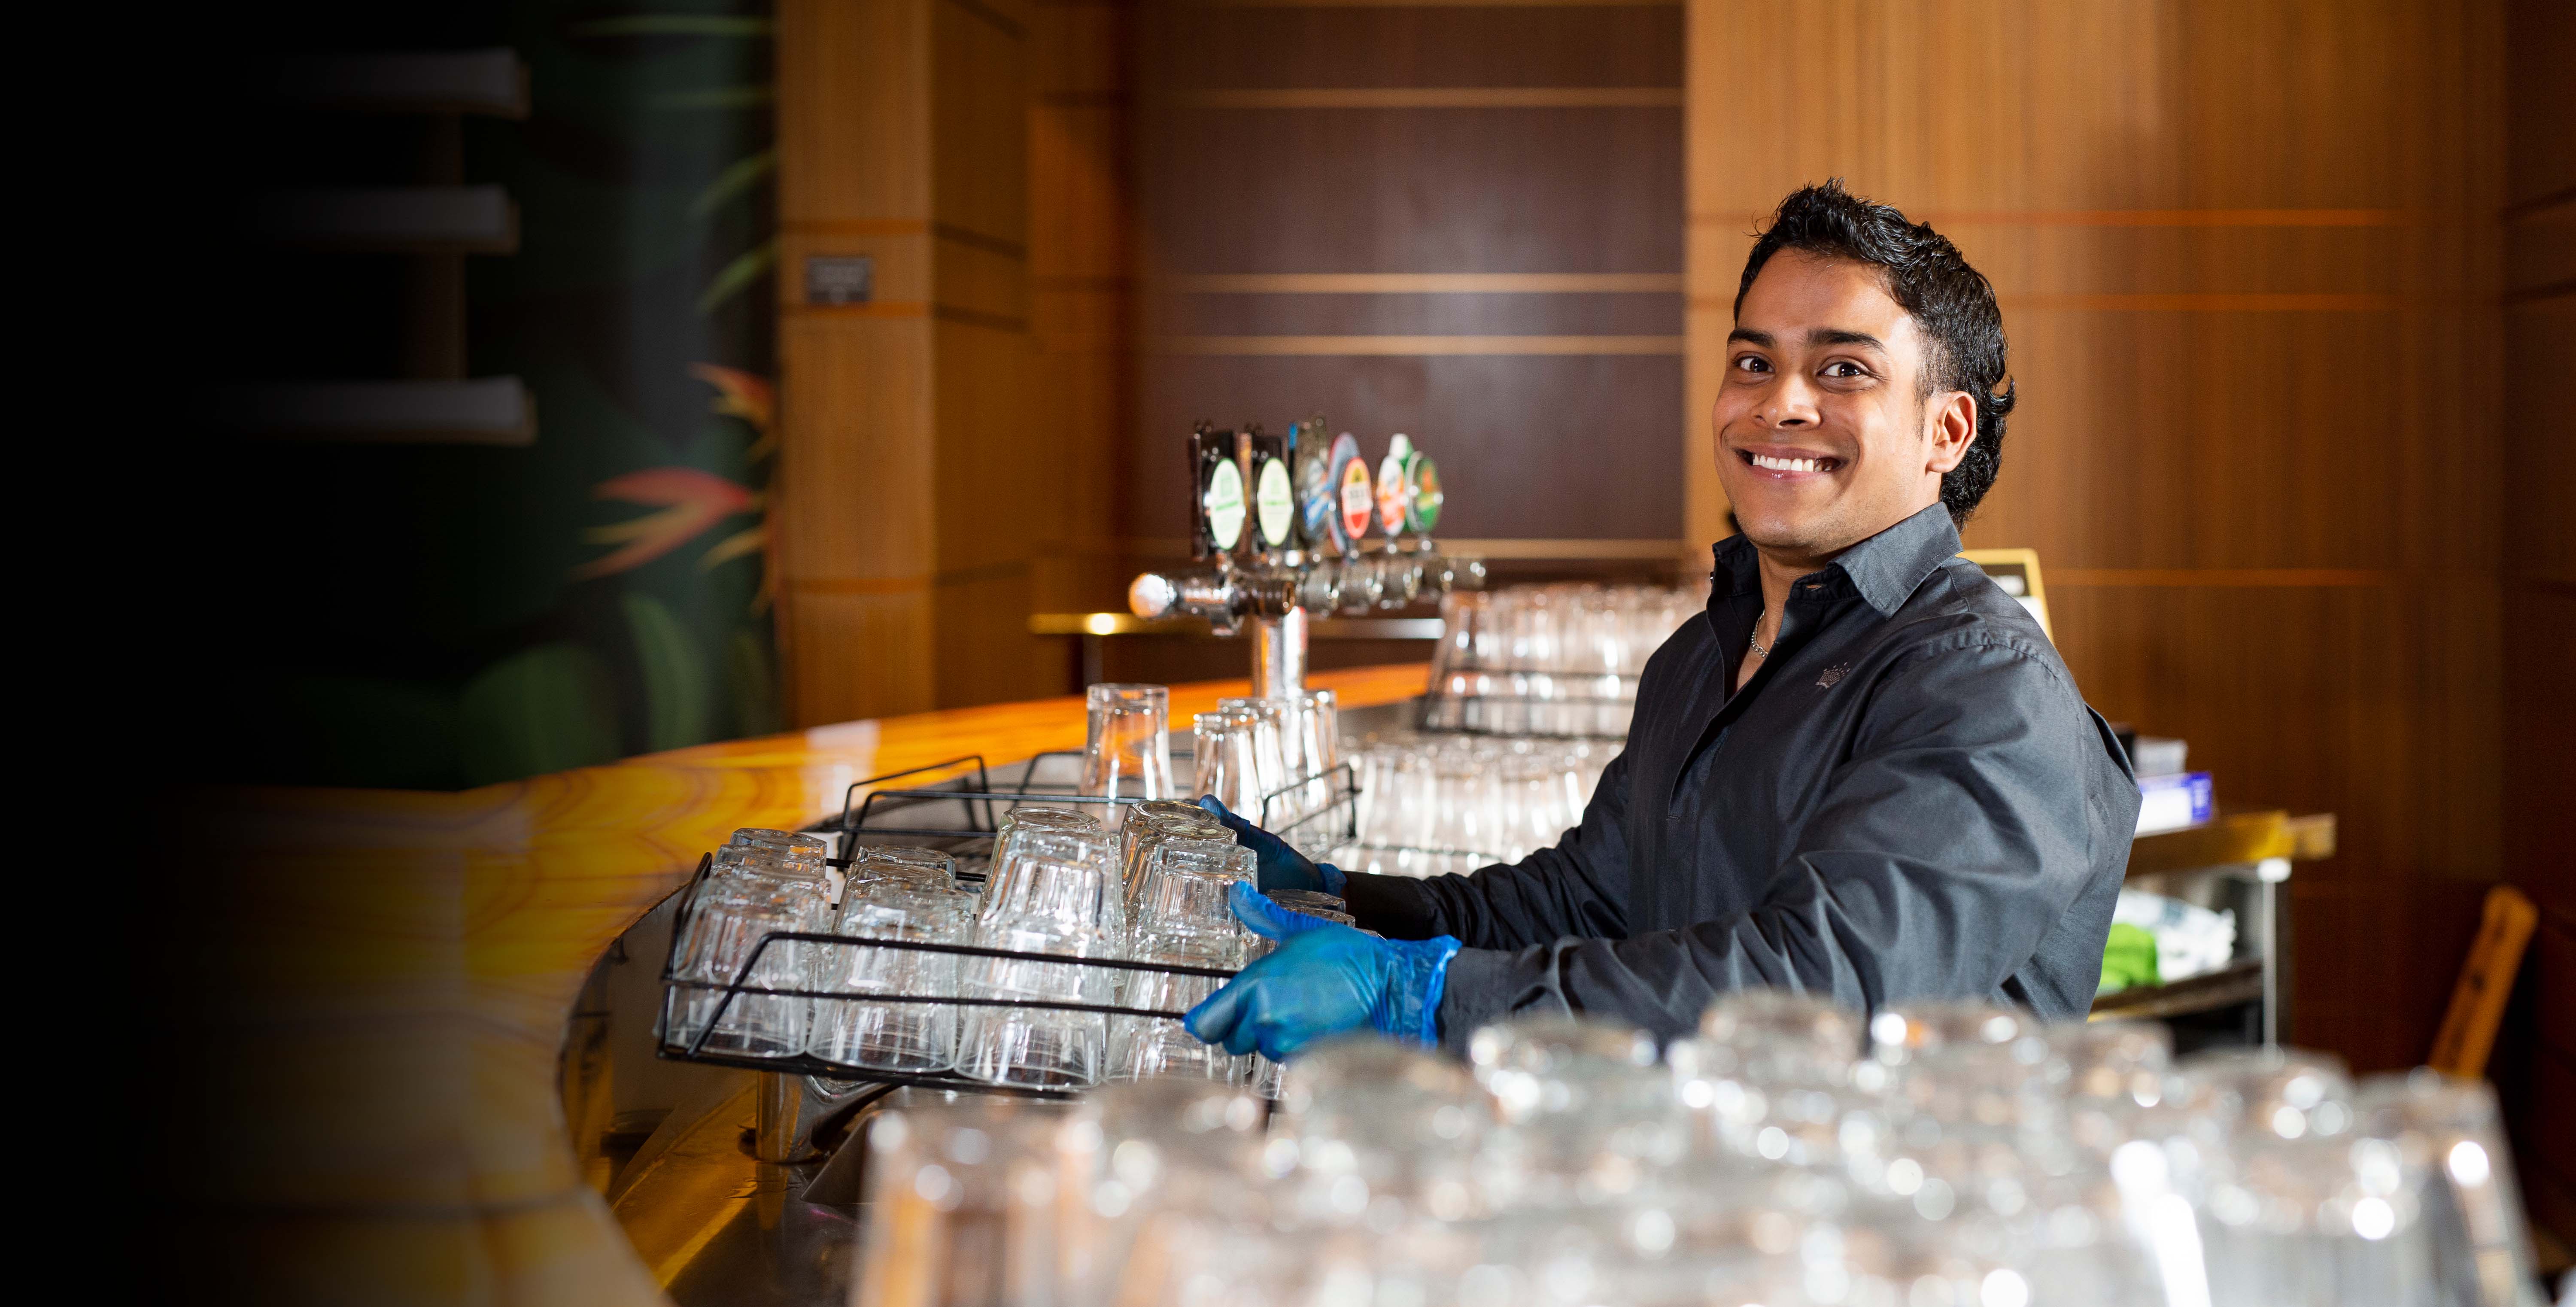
pixel 382 983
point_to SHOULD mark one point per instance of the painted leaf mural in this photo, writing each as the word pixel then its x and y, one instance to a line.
pixel 601 591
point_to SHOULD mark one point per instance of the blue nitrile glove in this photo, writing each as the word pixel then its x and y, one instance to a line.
pixel 1281 867
pixel 1324 978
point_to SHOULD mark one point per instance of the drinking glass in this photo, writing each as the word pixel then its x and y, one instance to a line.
pixel 914 1037
pixel 1319 746
pixel 2325 1218
pixel 1278 757
pixel 928 868
pixel 1140 1047
pixel 1127 753
pixel 1137 1148
pixel 1586 1115
pixel 1069 874
pixel 1154 832
pixel 1035 1047
pixel 961 1204
pixel 1369 1120
pixel 778 855
pixel 722 936
pixel 2287 1093
pixel 1185 885
pixel 2481 1247
pixel 1079 895
pixel 1227 760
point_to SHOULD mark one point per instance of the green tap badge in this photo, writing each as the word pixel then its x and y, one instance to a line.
pixel 1223 502
pixel 1423 496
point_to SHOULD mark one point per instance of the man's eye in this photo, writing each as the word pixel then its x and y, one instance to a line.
pixel 1845 368
pixel 1752 363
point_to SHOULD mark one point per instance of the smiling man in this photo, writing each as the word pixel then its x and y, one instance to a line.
pixel 1865 772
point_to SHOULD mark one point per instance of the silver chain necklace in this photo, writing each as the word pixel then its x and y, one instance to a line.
pixel 1754 638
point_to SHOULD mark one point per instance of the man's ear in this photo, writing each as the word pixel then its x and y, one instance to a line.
pixel 1950 426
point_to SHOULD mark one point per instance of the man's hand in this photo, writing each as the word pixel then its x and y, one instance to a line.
pixel 1323 979
pixel 1281 867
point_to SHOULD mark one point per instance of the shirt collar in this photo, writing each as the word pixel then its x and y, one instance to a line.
pixel 1884 569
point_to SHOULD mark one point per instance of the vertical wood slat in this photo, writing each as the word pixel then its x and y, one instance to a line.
pixel 906 523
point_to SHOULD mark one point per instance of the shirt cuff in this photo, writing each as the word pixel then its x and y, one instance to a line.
pixel 1397 907
pixel 1476 992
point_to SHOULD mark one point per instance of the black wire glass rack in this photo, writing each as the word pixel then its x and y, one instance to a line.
pixel 959 815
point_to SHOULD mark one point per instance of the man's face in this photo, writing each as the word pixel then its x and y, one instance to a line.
pixel 1824 437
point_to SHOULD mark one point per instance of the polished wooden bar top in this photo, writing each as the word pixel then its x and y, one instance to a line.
pixel 383 983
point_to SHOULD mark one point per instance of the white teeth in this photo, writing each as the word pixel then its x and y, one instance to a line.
pixel 1770 464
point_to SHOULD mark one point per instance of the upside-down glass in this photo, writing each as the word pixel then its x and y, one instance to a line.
pixel 877 862
pixel 1318 717
pixel 1035 1047
pixel 722 945
pixel 774 854
pixel 1139 1147
pixel 1127 753
pixel 1185 885
pixel 1141 1047
pixel 1142 838
pixel 910 1037
pixel 1375 1120
pixel 1226 760
pixel 2481 1247
pixel 1586 1113
pixel 1278 755
pixel 1070 875
pixel 961 1205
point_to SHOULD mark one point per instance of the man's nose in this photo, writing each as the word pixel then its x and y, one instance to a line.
pixel 1791 404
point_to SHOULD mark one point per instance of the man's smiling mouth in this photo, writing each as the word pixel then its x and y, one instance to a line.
pixel 1768 463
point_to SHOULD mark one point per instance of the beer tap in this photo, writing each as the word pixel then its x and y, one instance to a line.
pixel 1279 525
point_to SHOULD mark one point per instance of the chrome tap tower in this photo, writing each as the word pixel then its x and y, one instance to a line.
pixel 1280 526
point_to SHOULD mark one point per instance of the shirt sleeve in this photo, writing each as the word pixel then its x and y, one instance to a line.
pixel 1946 847
pixel 1578 887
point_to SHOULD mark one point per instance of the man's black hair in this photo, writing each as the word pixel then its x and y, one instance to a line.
pixel 1953 303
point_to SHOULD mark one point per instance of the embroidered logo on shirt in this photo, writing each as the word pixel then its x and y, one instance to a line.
pixel 1833 674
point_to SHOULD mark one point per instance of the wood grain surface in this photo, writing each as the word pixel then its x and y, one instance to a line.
pixel 377 990
pixel 2535 1059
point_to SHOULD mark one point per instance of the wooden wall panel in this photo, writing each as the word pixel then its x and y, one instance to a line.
pixel 1082 291
pixel 2248 260
pixel 1459 222
pixel 2536 1066
pixel 903 137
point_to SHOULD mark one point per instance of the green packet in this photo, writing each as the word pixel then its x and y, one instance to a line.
pixel 2128 959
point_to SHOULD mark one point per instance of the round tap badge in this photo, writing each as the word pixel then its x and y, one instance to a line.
pixel 1390 484
pixel 1274 503
pixel 1422 481
pixel 1224 504
pixel 1350 472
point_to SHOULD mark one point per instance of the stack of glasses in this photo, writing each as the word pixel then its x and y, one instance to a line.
pixel 1790 1154
pixel 764 882
pixel 1556 660
pixel 1272 760
pixel 1154 891
pixel 1431 805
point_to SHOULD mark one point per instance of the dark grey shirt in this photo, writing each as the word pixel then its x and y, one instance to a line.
pixel 1908 800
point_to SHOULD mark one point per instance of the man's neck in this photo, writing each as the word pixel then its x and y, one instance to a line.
pixel 1779 570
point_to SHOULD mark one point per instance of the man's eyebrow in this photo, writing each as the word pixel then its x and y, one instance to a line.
pixel 1838 336
pixel 1751 337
